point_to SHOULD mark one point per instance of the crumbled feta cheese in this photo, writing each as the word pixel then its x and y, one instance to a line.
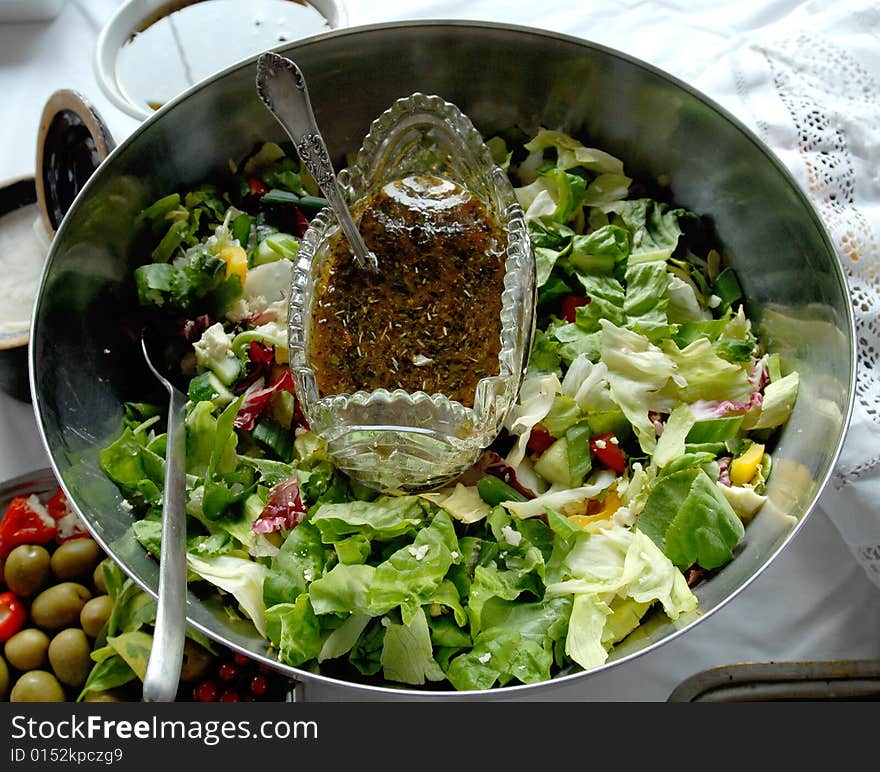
pixel 613 440
pixel 511 536
pixel 214 345
pixel 418 552
pixel 308 575
pixel 40 510
pixel 600 444
pixel 624 517
pixel 484 658
pixel 239 311
pixel 714 301
pixel 453 555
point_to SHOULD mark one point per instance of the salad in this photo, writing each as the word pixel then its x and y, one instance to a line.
pixel 637 452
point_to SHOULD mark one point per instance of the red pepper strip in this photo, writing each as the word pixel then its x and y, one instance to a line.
pixel 539 439
pixel 256 401
pixel 26 521
pixel 606 448
pixel 285 509
pixel 57 505
pixel 570 305
pixel 67 521
pixel 13 615
pixel 256 187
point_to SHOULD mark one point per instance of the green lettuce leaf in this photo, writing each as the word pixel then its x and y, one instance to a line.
pixel 410 576
pixel 599 251
pixel 137 470
pixel 240 577
pixel 779 399
pixel 386 517
pixel 300 561
pixel 295 631
pixel 654 227
pixel 612 562
pixel 517 642
pixel 637 373
pixel 690 520
pixel 341 640
pixel 407 653
pixel 344 589
pixel 702 374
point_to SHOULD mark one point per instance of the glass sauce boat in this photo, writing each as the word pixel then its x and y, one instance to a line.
pixel 391 439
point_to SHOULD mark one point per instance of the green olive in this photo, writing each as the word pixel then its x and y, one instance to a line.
pixel 59 606
pixel 76 559
pixel 69 656
pixel 26 650
pixel 104 695
pixel 98 575
pixel 94 614
pixel 197 661
pixel 4 679
pixel 37 686
pixel 26 570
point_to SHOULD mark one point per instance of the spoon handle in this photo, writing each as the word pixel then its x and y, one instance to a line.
pixel 162 677
pixel 282 88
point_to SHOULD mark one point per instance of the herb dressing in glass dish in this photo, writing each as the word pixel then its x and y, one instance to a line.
pixel 430 319
pixel 412 405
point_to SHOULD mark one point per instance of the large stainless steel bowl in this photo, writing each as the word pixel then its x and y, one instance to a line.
pixel 83 363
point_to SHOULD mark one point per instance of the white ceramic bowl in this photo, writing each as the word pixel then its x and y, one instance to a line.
pixel 133 16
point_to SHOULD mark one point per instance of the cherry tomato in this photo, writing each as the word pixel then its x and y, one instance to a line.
pixel 539 439
pixel 256 187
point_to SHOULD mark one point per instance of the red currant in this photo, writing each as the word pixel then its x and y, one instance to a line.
pixel 206 691
pixel 259 685
pixel 240 659
pixel 229 695
pixel 227 671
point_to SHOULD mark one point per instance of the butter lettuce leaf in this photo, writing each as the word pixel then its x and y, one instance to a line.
pixel 412 574
pixel 615 562
pixel 407 653
pixel 386 517
pixel 517 641
pixel 690 520
pixel 295 630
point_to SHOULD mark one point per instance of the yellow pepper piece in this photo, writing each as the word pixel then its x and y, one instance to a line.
pixel 744 467
pixel 610 504
pixel 586 521
pixel 236 261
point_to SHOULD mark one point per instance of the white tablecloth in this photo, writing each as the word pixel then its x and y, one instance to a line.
pixel 805 77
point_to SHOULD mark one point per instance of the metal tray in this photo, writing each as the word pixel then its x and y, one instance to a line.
pixel 818 680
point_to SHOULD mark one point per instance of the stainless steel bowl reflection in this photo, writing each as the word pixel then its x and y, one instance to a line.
pixel 83 363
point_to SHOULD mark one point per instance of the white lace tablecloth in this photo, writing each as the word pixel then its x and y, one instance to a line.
pixel 805 76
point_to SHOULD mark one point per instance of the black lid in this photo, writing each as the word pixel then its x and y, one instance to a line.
pixel 72 142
